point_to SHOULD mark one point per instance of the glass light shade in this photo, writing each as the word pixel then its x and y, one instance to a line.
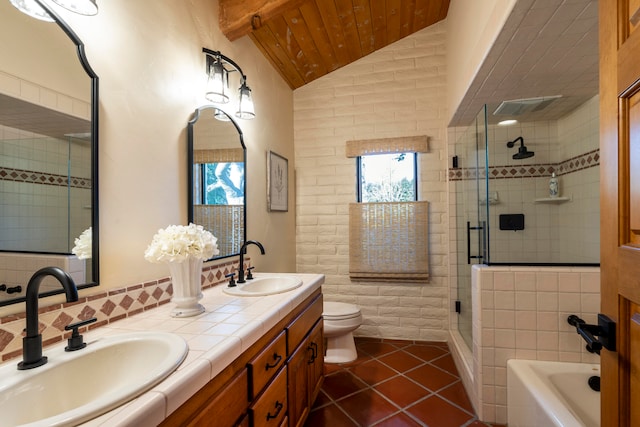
pixel 245 105
pixel 33 9
pixel 82 7
pixel 217 84
pixel 220 115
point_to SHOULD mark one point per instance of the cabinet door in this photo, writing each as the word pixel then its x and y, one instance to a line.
pixel 305 375
pixel 297 381
pixel 315 365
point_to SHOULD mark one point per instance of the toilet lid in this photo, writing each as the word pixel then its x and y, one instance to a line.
pixel 341 310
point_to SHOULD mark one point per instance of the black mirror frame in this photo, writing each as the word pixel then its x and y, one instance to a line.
pixel 95 232
pixel 190 136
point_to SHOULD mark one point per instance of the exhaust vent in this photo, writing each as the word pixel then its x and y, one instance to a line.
pixel 516 107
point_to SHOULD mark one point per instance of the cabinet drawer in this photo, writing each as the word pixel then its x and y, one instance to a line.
pixel 265 365
pixel 271 407
pixel 227 406
pixel 301 325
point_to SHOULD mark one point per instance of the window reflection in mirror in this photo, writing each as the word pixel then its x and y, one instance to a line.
pixel 217 183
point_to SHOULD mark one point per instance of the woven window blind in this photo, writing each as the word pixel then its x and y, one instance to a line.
pixel 219 155
pixel 405 144
pixel 226 222
pixel 389 241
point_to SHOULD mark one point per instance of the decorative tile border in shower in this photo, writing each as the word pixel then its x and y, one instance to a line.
pixel 35 177
pixel 107 306
pixel 574 164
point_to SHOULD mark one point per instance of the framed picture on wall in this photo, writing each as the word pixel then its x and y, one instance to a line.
pixel 277 182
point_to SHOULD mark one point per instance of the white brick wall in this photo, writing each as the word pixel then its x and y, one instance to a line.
pixel 397 91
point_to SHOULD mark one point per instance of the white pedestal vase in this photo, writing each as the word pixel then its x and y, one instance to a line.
pixel 187 288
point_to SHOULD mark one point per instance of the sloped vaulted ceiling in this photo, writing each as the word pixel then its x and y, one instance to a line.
pixel 306 39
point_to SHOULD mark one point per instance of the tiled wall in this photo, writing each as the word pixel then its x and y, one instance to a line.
pixel 554 232
pixel 396 91
pixel 521 313
pixel 106 307
pixel 16 269
pixel 44 181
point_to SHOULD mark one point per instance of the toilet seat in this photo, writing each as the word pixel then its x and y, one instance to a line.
pixel 340 311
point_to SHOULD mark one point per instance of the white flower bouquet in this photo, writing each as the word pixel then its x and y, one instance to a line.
pixel 82 248
pixel 177 243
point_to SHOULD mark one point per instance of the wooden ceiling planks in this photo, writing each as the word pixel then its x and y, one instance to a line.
pixel 306 39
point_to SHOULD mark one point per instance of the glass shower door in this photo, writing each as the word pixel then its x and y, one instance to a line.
pixel 471 215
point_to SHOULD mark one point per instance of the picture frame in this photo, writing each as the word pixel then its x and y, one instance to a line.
pixel 277 183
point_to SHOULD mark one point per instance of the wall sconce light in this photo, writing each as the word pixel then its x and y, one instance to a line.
pixel 218 69
pixel 35 9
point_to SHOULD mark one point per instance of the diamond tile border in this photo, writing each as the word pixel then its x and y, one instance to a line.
pixel 574 164
pixel 35 177
pixel 107 306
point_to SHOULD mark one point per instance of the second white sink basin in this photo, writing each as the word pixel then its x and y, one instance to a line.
pixel 268 285
pixel 74 387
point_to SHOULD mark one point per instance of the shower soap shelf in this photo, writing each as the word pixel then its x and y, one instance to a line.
pixel 556 200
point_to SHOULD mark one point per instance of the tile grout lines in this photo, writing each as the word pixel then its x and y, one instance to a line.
pixel 362 376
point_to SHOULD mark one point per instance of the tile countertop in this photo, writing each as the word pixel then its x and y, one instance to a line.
pixel 229 325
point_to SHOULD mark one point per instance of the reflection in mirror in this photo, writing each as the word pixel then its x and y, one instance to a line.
pixel 217 160
pixel 48 154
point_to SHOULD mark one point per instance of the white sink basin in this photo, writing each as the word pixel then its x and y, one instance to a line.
pixel 261 286
pixel 74 387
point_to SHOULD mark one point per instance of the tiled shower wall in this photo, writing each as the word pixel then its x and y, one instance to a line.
pixel 521 313
pixel 37 197
pixel 558 232
pixel 16 269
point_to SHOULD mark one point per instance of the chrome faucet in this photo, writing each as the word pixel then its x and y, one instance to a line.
pixel 243 250
pixel 32 342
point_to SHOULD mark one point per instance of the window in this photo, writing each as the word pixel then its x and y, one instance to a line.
pixel 387 178
pixel 219 183
pixel 388 226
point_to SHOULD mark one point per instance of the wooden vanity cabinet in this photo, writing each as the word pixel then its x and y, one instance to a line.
pixel 273 383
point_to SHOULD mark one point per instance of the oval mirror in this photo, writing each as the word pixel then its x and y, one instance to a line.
pixel 216 163
pixel 48 156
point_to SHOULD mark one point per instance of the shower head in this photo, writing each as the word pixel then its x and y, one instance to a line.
pixel 522 153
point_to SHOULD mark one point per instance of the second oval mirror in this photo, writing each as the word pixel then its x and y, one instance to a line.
pixel 216 163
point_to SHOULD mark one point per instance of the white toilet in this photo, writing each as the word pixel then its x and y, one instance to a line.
pixel 340 320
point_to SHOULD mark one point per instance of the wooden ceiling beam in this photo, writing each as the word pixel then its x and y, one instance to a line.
pixel 239 18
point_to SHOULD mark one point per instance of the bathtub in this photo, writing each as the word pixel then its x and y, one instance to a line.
pixel 551 394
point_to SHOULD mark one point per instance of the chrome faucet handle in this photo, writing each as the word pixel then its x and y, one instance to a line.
pixel 75 342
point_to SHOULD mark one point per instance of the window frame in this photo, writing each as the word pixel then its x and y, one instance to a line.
pixel 359 175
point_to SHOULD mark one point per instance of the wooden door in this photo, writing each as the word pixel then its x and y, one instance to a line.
pixel 620 206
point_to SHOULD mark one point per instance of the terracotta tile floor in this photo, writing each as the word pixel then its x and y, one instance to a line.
pixel 394 384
